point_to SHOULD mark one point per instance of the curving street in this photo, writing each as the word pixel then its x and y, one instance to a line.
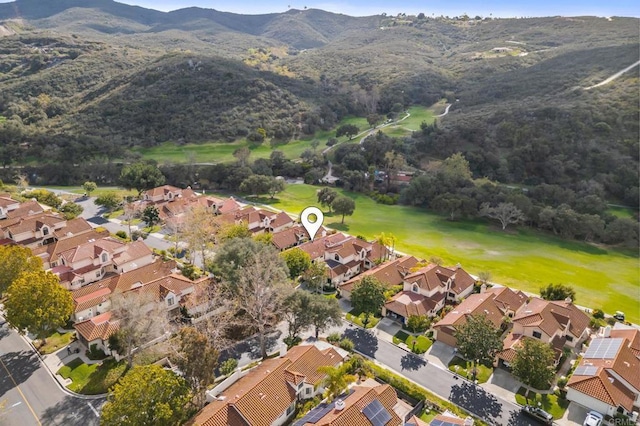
pixel 30 396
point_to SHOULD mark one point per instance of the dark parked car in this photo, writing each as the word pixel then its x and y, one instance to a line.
pixel 538 414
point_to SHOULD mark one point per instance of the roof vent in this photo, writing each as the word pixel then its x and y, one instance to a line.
pixel 340 404
pixel 611 379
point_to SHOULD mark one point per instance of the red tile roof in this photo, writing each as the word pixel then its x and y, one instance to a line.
pixel 552 316
pixel 407 303
pixel 389 273
pixel 98 327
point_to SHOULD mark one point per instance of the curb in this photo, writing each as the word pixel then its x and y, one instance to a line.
pixel 55 379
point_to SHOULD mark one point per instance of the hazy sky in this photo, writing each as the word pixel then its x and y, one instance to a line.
pixel 503 8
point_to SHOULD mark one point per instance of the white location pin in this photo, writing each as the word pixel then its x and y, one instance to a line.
pixel 311 227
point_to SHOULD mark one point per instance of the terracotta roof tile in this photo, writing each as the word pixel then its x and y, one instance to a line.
pixel 407 303
pixel 389 273
pixel 98 327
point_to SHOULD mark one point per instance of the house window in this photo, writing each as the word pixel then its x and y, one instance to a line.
pixel 291 408
pixel 45 230
pixel 170 301
pixel 569 338
pixel 98 274
pixel 104 257
pixel 308 391
pixel 300 385
pixel 537 334
pixel 337 257
pixel 415 288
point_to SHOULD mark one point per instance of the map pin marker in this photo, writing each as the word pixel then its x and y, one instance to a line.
pixel 311 227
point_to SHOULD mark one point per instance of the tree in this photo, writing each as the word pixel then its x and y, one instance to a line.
pixel 199 231
pixel 358 366
pixel 261 288
pixel 237 230
pixel 141 177
pixel 533 363
pixel 197 359
pixel 326 197
pixel 368 296
pixel 297 260
pixel 393 163
pixel 388 240
pixel 256 184
pixel 484 276
pixel 147 395
pixel 71 210
pixel 45 197
pixel 455 170
pixel 324 313
pixel 140 318
pixel 234 255
pixel 276 185
pixel 108 200
pixel 242 155
pixel 14 261
pixel 453 205
pixel 151 215
pixel 336 381
pixel 89 187
pixel 558 292
pixel 344 206
pixel 131 210
pixel 314 144
pixel 348 130
pixel 505 213
pixel 478 339
pixel 315 276
pixel 418 323
pixel 36 302
pixel 297 312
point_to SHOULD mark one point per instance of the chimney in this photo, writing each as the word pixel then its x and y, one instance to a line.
pixel 483 288
pixel 339 404
pixel 607 331
pixel 283 350
pixel 568 300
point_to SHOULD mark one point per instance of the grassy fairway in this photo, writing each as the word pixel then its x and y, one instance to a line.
pixel 220 152
pixel 524 259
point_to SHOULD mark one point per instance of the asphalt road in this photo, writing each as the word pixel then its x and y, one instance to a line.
pixel 29 396
pixel 446 385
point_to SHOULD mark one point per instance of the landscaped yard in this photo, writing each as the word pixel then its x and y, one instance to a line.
pixel 552 404
pixel 522 258
pixel 54 342
pixel 464 368
pixel 357 317
pixel 422 343
pixel 92 379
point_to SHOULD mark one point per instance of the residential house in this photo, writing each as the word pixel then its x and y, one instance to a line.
pixel 7 204
pixel 162 193
pixel 559 323
pixel 91 261
pixel 96 331
pixel 475 304
pixel 607 379
pixel 426 291
pixel 266 395
pixel 293 236
pixel 390 273
pixel 94 299
pixel 27 208
pixel 33 230
pixel 258 220
pixel 346 256
pixel 50 253
pixel 367 404
pixel 448 419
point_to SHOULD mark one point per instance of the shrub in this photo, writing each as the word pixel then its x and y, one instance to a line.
pixel 292 341
pixel 228 366
pixel 598 314
pixel 562 382
pixel 347 344
pixel 333 338
pixel 121 234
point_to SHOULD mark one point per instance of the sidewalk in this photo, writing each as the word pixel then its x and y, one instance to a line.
pixel 63 356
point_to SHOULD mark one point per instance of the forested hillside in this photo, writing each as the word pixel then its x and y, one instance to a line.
pixel 82 82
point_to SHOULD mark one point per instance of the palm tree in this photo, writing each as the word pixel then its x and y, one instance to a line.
pixel 358 366
pixel 388 241
pixel 337 380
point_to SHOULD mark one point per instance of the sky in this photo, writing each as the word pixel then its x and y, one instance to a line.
pixel 497 8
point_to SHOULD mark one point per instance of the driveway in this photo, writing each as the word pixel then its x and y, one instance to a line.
pixel 474 398
pixel 502 383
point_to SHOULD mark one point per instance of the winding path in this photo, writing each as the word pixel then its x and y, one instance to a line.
pixel 614 76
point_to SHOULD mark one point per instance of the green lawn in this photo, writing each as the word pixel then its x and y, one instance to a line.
pixel 357 317
pixel 622 212
pixel 54 342
pixel 522 258
pixel 220 152
pixel 92 379
pixel 98 192
pixel 552 404
pixel 422 343
pixel 464 369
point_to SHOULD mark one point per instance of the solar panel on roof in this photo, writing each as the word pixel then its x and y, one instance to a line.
pixel 438 422
pixel 586 370
pixel 320 411
pixel 376 413
pixel 606 348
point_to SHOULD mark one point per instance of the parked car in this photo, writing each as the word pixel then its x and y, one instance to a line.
pixel 593 419
pixel 538 414
pixel 619 316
